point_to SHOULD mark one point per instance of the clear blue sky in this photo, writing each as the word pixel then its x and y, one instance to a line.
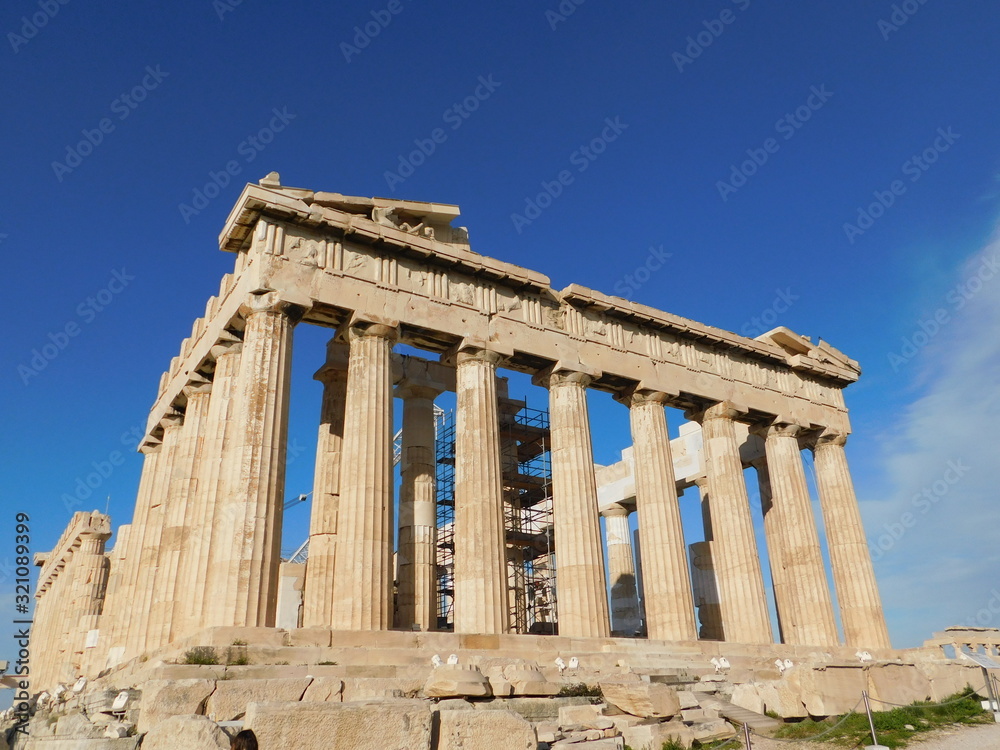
pixel 837 103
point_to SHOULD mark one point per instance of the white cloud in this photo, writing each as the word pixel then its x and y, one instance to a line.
pixel 934 537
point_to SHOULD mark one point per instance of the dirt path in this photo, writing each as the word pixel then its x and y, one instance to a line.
pixel 953 738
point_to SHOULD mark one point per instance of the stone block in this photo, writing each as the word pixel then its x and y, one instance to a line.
pixel 310 637
pixel 457 681
pixel 547 731
pixel 713 731
pixel 188 732
pixel 231 697
pixel 608 743
pixel 162 699
pixel 583 715
pixel 77 725
pixel 471 730
pixel 831 691
pixel 532 709
pixel 324 690
pixel 748 696
pixel 373 688
pixel 783 697
pixel 645 699
pixel 385 725
pixel 526 679
pixel 687 699
pixel 897 683
pixel 479 642
pixel 653 736
pixel 948 679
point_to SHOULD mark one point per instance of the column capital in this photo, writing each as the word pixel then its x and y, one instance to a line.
pixel 411 388
pixel 729 410
pixel 226 346
pixel 271 302
pixel 616 511
pixel 477 349
pixel 777 428
pixel 564 373
pixel 637 395
pixel 338 355
pixel 828 438
pixel 197 388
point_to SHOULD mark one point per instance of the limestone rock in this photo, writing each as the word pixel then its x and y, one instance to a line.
pixel 118 729
pixel 898 683
pixel 687 699
pixel 471 730
pixel 948 679
pixel 711 731
pixel 653 736
pixel 748 696
pixel 162 699
pixel 608 743
pixel 644 699
pixel 782 697
pixel 532 709
pixel 832 691
pixel 526 679
pixel 374 688
pixel 385 725
pixel 457 681
pixel 77 725
pixel 586 715
pixel 325 690
pixel 188 732
pixel 231 697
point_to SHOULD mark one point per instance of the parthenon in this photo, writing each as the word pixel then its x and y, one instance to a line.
pixel 203 548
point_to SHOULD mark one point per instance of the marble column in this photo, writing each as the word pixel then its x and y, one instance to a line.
pixel 112 597
pixel 582 601
pixel 417 551
pixel 807 617
pixel 480 578
pixel 317 595
pixel 203 575
pixel 625 617
pixel 260 431
pixel 775 545
pixel 141 635
pixel 90 580
pixel 668 601
pixel 179 528
pixel 362 591
pixel 857 592
pixel 706 588
pixel 734 548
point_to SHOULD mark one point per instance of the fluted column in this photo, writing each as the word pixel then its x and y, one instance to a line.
pixel 362 592
pixel 141 626
pixel 260 428
pixel 480 544
pixel 734 547
pixel 112 597
pixel 853 574
pixel 625 617
pixel 668 602
pixel 90 580
pixel 706 588
pixel 317 595
pixel 775 545
pixel 170 598
pixel 417 552
pixel 203 575
pixel 582 601
pixel 808 616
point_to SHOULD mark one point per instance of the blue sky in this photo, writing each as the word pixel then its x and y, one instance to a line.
pixel 735 140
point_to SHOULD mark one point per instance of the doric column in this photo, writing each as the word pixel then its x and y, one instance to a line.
pixel 90 580
pixel 141 627
pixel 582 601
pixel 317 595
pixel 807 618
pixel 480 544
pixel 203 571
pixel 260 430
pixel 706 589
pixel 417 551
pixel 775 545
pixel 362 591
pixel 625 617
pixel 853 574
pixel 112 597
pixel 171 599
pixel 734 548
pixel 668 601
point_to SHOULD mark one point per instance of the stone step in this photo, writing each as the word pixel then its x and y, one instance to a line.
pixel 737 715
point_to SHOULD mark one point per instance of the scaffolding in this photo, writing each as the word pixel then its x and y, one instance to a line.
pixel 527 479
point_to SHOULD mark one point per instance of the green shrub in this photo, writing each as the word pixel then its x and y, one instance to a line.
pixel 201 655
pixel 580 689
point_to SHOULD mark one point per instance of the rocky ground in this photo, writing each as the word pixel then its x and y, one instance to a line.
pixel 954 738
